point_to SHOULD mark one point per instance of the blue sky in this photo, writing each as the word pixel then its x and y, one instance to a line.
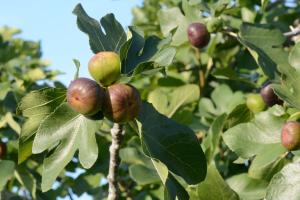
pixel 53 23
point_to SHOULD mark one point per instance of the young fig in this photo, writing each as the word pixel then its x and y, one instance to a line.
pixel 105 67
pixel 255 103
pixel 122 103
pixel 290 135
pixel 268 95
pixel 198 35
pixel 85 96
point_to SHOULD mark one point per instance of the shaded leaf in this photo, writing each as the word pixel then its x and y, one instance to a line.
pixel 7 171
pixel 213 187
pixel 173 144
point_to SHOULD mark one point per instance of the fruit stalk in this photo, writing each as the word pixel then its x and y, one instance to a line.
pixel 117 133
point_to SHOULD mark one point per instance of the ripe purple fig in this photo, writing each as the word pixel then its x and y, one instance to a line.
pixel 85 96
pixel 105 67
pixel 269 97
pixel 2 150
pixel 290 135
pixel 122 103
pixel 198 35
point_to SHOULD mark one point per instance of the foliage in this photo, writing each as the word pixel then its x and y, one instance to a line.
pixel 194 137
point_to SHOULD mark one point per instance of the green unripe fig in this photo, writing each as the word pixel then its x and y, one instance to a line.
pixel 122 103
pixel 3 150
pixel 105 67
pixel 198 35
pixel 255 103
pixel 290 135
pixel 85 96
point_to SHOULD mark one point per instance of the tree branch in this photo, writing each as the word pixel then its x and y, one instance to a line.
pixel 117 133
pixel 292 33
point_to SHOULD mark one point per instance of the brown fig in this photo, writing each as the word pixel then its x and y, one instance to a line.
pixel 268 95
pixel 198 35
pixel 290 135
pixel 85 96
pixel 122 103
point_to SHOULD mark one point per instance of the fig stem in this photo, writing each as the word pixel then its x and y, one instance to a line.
pixel 117 133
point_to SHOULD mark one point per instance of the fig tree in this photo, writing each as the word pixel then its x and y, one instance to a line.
pixel 105 67
pixel 255 103
pixel 198 35
pixel 2 150
pixel 122 103
pixel 85 96
pixel 290 135
pixel 268 95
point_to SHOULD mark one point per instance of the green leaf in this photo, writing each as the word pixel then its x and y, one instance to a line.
pixel 257 136
pixel 36 106
pixel 7 171
pixel 139 54
pixel 294 57
pixel 113 38
pixel 288 90
pixel 240 114
pixel 27 180
pixel 172 18
pixel 69 131
pixel 225 101
pixel 143 175
pixel 168 101
pixel 286 183
pixel 77 65
pixel 86 183
pixel 173 144
pixel 248 188
pixel 264 4
pixel 268 163
pixel 212 139
pixel 4 89
pixel 265 45
pixel 173 189
pixel 141 169
pixel 213 187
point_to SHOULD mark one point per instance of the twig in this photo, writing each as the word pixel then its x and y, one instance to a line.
pixel 292 33
pixel 117 133
pixel 69 194
pixel 273 5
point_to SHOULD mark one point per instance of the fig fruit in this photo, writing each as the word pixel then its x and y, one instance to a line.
pixel 198 35
pixel 85 96
pixel 290 135
pixel 2 150
pixel 122 103
pixel 268 95
pixel 255 103
pixel 105 67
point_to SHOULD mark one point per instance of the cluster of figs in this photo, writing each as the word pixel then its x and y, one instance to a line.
pixel 290 132
pixel 103 97
pixel 199 37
